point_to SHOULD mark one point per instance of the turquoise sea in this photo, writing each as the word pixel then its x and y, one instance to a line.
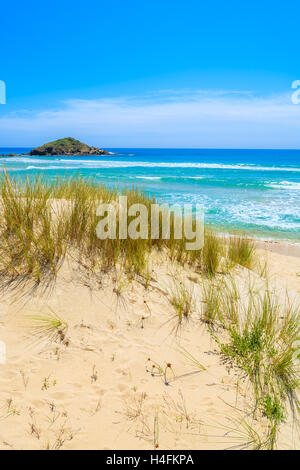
pixel 254 191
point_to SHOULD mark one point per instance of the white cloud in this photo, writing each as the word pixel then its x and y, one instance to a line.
pixel 167 118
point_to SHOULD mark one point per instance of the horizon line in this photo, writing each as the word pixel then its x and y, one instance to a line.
pixel 176 148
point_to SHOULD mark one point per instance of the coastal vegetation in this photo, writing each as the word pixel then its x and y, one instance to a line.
pixel 40 222
pixel 43 224
pixel 261 339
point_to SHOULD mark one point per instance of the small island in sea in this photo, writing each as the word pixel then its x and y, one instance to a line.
pixel 67 147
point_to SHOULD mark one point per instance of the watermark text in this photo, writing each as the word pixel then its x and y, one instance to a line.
pixel 160 221
pixel 2 92
pixel 296 94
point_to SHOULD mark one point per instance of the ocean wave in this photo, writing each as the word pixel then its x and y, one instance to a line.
pixel 51 167
pixel 78 164
pixel 149 177
pixel 194 177
pixel 125 164
pixel 289 185
pixel 178 177
pixel 271 216
pixel 23 160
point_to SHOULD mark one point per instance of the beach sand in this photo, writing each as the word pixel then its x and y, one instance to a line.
pixel 91 388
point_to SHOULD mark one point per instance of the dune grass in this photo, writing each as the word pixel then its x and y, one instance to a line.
pixel 48 325
pixel 262 338
pixel 30 242
pixel 181 297
pixel 41 222
pixel 212 252
pixel 241 251
pixel 211 310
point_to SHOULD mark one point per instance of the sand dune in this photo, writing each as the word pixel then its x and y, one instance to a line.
pixel 91 387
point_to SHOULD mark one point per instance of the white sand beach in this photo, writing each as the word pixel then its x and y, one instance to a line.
pixel 90 386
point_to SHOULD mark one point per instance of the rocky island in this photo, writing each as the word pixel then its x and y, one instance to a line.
pixel 67 147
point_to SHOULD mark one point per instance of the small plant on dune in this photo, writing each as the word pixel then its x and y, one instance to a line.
pixel 241 251
pixel 47 383
pixel 94 376
pixel 272 409
pixel 25 379
pixel 135 409
pixel 192 359
pixel 156 432
pixel 157 370
pixel 243 432
pixel 146 275
pixel 212 253
pixel 62 435
pixel 55 414
pixel 166 371
pixel 11 408
pixel 211 307
pixel 230 304
pixel 35 431
pixel 182 414
pixel 49 325
pixel 182 300
pixel 262 268
pixel 121 283
pixel 146 316
pixel 263 345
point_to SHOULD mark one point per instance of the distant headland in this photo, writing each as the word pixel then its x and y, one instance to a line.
pixel 67 147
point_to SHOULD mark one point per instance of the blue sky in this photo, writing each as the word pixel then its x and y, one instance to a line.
pixel 167 73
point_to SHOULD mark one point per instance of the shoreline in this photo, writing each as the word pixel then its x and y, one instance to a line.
pixel 286 247
pixel 280 247
pixel 291 247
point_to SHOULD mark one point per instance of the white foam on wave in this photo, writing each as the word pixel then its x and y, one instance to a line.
pixel 262 214
pixel 78 164
pixel 289 185
pixel 125 164
pixel 22 160
pixel 51 167
pixel 194 177
pixel 149 177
